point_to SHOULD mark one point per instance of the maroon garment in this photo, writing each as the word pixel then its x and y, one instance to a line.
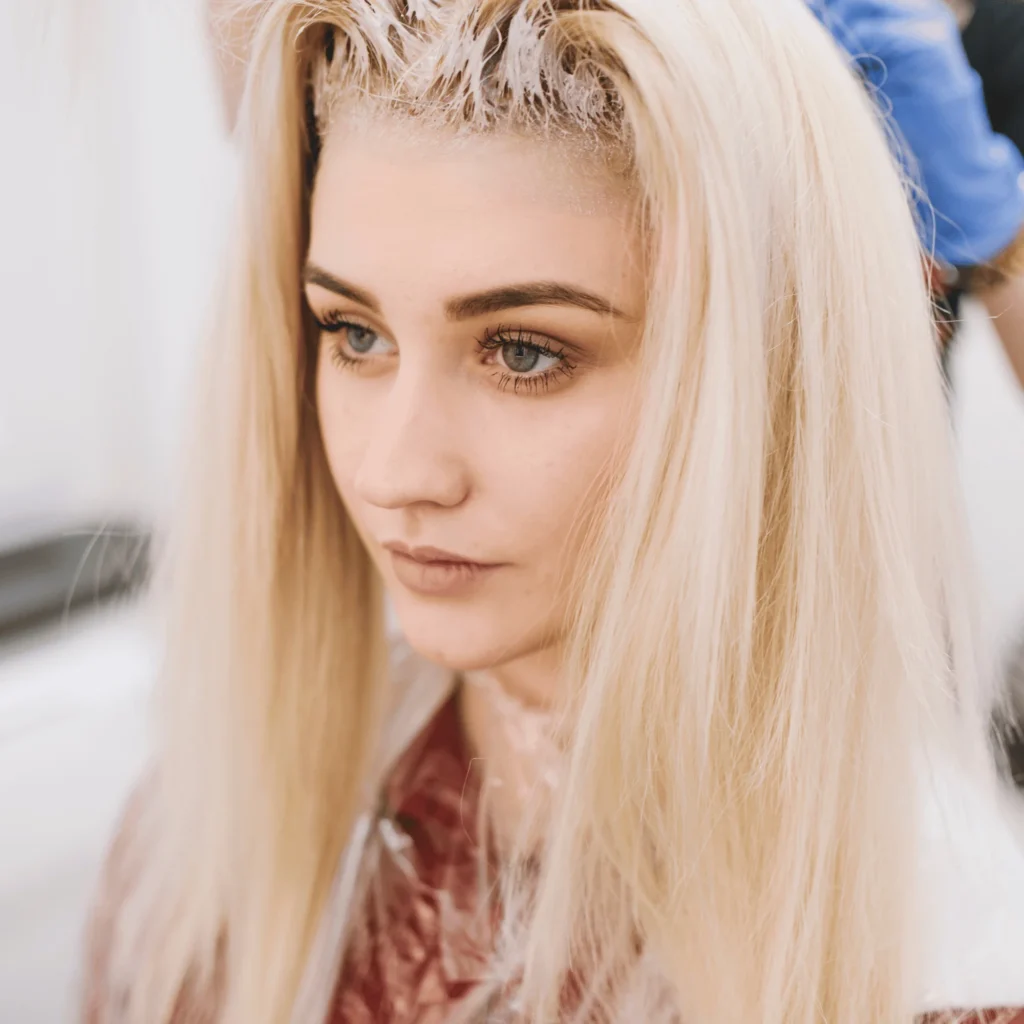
pixel 423 940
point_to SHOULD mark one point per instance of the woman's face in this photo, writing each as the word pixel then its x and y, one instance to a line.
pixel 481 306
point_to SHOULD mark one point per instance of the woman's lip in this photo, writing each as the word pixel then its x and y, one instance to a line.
pixel 439 577
pixel 433 556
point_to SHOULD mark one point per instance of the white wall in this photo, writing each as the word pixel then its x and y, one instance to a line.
pixel 989 418
pixel 74 740
pixel 112 190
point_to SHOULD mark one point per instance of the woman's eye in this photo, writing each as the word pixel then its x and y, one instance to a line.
pixel 525 362
pixel 361 339
pixel 521 357
pixel 352 342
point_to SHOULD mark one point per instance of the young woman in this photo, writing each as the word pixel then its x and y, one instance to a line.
pixel 594 336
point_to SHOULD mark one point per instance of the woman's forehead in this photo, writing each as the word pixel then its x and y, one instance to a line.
pixel 422 214
pixel 569 171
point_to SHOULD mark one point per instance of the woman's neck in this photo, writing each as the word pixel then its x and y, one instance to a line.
pixel 507 718
pixel 531 681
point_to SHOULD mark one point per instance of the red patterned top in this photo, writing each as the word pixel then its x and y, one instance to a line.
pixel 423 939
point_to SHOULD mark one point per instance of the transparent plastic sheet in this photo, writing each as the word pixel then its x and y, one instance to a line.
pixel 421 941
pixel 418 882
pixel 530 735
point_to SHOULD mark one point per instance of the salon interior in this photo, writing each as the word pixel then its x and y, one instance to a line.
pixel 113 216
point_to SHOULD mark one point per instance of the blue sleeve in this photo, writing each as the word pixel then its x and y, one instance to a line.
pixel 909 51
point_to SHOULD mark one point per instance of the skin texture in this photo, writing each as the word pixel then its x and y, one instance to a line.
pixel 963 9
pixel 435 441
pixel 1005 304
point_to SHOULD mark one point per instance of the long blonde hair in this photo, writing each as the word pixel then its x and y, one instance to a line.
pixel 772 620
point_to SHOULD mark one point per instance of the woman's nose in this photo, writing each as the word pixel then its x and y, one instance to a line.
pixel 416 451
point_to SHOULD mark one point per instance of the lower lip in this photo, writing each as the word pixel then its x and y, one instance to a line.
pixel 439 579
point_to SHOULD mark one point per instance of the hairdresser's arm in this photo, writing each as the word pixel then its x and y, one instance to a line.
pixel 912 57
pixel 973 176
pixel 963 11
pixel 229 30
pixel 994 42
pixel 1004 301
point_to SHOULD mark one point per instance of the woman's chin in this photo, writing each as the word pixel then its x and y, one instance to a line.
pixel 468 642
pixel 458 654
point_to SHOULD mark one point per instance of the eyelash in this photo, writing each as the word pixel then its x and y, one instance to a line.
pixel 334 323
pixel 496 339
pixel 493 340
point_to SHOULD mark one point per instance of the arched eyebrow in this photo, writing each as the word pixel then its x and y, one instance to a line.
pixel 494 300
pixel 312 274
pixel 533 293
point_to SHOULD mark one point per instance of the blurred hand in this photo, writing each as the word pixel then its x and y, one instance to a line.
pixel 1005 304
pixel 963 10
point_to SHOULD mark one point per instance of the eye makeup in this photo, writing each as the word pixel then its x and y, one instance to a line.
pixel 520 360
pixel 525 361
pixel 352 342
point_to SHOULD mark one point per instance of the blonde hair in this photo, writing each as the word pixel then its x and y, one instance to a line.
pixel 772 621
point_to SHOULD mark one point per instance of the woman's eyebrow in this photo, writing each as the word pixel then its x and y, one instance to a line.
pixel 533 293
pixel 493 300
pixel 312 274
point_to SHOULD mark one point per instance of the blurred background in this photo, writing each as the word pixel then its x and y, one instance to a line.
pixel 115 194
pixel 115 186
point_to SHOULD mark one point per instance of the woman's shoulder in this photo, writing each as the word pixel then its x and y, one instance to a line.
pixel 117 879
pixel 120 923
